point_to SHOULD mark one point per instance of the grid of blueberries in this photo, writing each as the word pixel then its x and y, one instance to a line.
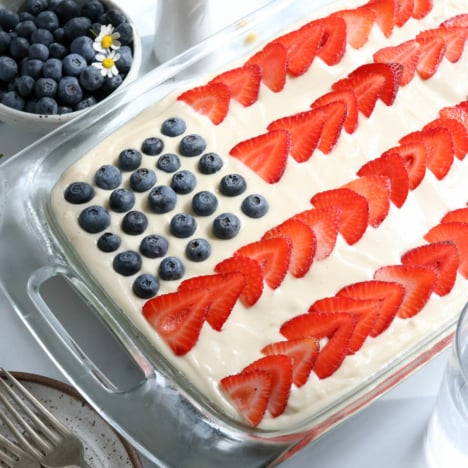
pixel 161 199
pixel 47 55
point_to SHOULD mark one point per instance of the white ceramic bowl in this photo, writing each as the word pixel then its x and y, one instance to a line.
pixel 42 124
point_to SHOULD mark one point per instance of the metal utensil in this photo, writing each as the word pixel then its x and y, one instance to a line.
pixel 13 457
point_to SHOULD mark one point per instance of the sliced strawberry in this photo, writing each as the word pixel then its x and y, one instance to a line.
pixel 249 393
pixel 302 45
pixel 376 190
pixel 407 53
pixel 305 129
pixel 253 277
pixel 459 215
pixel 458 132
pixel 333 44
pixel 346 96
pixel 442 257
pixel 385 14
pixel 303 244
pixel 272 60
pixel 265 154
pixel 455 39
pixel 389 294
pixel 366 312
pixel 359 22
pixel 458 112
pixel 354 211
pixel 421 8
pixel 456 21
pixel 325 223
pixel 273 255
pixel 404 12
pixel 457 233
pixel 178 318
pixel 331 131
pixel 302 352
pixel 224 290
pixel 391 166
pixel 211 100
pixel 432 52
pixel 337 327
pixel 243 83
pixel 279 368
pixel 418 282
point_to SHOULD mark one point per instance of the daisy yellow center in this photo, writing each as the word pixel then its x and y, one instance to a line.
pixel 106 41
pixel 108 62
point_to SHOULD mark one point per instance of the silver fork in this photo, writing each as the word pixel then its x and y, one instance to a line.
pixel 42 435
pixel 13 457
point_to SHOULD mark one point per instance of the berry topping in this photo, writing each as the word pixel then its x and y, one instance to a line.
pixel 154 246
pixel 209 163
pixel 385 14
pixel 162 199
pixel 127 263
pixel 232 185
pixel 145 286
pixel 142 179
pixel 134 223
pixel 171 268
pixel 204 203
pixel 226 226
pixel 129 159
pixel 192 145
pixel 121 200
pixel 94 219
pixel 108 177
pixel 109 242
pixel 174 126
pixel 359 22
pixel 152 146
pixel 198 250
pixel 183 225
pixel 168 162
pixel 183 182
pixel 79 192
pixel 333 43
pixel 254 206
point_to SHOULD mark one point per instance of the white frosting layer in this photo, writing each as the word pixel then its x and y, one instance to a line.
pixel 246 332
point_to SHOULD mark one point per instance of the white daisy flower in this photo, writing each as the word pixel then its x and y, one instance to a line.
pixel 106 63
pixel 107 39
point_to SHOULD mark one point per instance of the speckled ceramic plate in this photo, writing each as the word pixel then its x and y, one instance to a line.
pixel 103 446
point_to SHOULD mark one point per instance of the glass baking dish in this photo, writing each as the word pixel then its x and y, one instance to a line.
pixel 162 415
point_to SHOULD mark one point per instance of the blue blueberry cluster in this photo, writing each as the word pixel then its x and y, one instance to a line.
pixel 47 55
pixel 128 178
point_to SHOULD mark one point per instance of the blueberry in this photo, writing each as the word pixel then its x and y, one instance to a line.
pixel 91 78
pixel 174 126
pixel 94 219
pixel 254 206
pixel 108 242
pixel 57 51
pixel 121 200
pixel 79 192
pixel 74 64
pixel 67 9
pixel 126 33
pixel 226 226
pixel 182 225
pixel 46 105
pixel 14 100
pixel 30 106
pixel 93 9
pixel 198 250
pixel 69 90
pixel 129 159
pixel 108 177
pixel 64 109
pixel 77 26
pixel 45 87
pixel 52 68
pixel 36 6
pixel 171 268
pixel 183 182
pixel 32 67
pixel 134 223
pixel 126 59
pixel 152 146
pixel 142 179
pixel 19 48
pixel 83 45
pixel 25 16
pixel 47 20
pixel 232 185
pixel 111 84
pixel 145 286
pixel 8 19
pixel 162 199
pixel 85 103
pixel 204 203
pixel 25 85
pixel 8 68
pixel 154 246
pixel 42 36
pixel 5 39
pixel 25 28
pixel 59 36
pixel 168 162
pixel 127 263
pixel 210 163
pixel 38 51
pixel 115 17
pixel 192 145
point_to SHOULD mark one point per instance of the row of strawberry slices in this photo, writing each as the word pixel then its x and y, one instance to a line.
pixel 294 53
pixel 346 319
pixel 320 127
pixel 309 235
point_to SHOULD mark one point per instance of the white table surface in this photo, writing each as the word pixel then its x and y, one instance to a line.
pixel 387 434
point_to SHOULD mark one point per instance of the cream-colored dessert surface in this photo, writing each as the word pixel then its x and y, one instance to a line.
pixel 218 354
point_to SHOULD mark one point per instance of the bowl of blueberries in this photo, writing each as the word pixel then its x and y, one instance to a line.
pixel 60 57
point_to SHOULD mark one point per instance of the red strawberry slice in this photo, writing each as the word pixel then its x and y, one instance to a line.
pixel 265 154
pixel 249 393
pixel 302 352
pixel 279 369
pixel 224 290
pixel 376 190
pixel 421 8
pixel 389 294
pixel 325 223
pixel 253 277
pixel 460 20
pixel 349 99
pixel 442 257
pixel 303 244
pixel 432 52
pixel 243 83
pixel 331 131
pixel 211 100
pixel 457 233
pixel 458 112
pixel 273 255
pixel 455 39
pixel 333 44
pixel 354 211
pixel 458 132
pixel 385 14
pixel 178 318
pixel 359 22
pixel 272 60
pixel 366 312
pixel 304 129
pixel 418 282
pixel 391 166
pixel 337 327
pixel 459 215
pixel 407 53
pixel 404 12
pixel 302 45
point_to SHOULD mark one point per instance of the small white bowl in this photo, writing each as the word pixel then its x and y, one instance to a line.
pixel 42 124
